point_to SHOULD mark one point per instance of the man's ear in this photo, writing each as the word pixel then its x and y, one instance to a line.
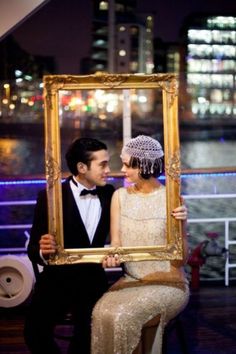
pixel 81 167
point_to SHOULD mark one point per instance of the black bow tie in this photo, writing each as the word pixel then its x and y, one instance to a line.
pixel 89 191
pixel 85 191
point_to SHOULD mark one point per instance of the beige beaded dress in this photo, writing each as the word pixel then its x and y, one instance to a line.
pixel 141 294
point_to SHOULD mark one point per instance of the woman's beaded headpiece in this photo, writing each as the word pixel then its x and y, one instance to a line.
pixel 147 150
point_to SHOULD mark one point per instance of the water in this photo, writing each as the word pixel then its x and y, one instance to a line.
pixel 208 154
pixel 25 156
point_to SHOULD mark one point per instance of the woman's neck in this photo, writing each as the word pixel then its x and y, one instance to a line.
pixel 147 186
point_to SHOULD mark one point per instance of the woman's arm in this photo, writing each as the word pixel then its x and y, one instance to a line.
pixel 115 220
pixel 180 213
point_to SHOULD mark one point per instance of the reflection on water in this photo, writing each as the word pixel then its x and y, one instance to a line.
pixel 201 154
pixel 20 156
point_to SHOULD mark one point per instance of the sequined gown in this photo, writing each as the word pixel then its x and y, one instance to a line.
pixel 119 315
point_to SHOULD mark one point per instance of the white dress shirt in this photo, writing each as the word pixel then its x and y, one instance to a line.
pixel 89 207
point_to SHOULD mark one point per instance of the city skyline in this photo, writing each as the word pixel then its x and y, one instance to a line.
pixel 58 30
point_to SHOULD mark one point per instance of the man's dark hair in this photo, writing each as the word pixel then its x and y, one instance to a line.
pixel 158 167
pixel 81 151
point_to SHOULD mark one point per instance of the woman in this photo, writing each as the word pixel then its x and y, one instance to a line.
pixel 149 288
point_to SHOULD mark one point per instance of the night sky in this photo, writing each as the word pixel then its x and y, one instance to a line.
pixel 63 28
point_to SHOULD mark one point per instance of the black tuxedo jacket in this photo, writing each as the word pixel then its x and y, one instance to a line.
pixel 75 234
pixel 75 287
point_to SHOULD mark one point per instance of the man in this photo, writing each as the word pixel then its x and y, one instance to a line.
pixel 86 222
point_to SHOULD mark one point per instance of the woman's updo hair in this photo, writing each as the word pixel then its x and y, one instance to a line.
pixel 146 154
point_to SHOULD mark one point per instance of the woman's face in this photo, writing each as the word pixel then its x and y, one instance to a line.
pixel 131 174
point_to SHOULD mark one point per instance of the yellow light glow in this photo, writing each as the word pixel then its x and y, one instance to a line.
pixel 142 99
pixel 102 116
pixel 75 101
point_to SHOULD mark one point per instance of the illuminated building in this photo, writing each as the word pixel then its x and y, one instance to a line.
pixel 211 67
pixel 122 41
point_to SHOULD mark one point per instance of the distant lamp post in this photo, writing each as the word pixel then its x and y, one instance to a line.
pixel 6 100
pixel 7 91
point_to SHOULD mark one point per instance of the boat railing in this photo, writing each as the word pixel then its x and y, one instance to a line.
pixel 228 238
pixel 228 241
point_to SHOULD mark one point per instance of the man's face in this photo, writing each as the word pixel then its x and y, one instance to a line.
pixel 96 173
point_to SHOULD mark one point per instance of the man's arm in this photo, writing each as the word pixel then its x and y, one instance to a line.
pixel 39 228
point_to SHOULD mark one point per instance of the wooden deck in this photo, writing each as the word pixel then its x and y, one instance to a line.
pixel 209 323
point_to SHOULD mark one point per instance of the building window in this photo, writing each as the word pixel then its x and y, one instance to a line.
pixel 99 67
pixel 222 22
pixel 134 30
pixel 134 66
pixel 103 5
pixel 122 53
pixel 149 19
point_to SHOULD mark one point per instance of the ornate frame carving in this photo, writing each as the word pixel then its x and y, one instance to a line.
pixel 167 83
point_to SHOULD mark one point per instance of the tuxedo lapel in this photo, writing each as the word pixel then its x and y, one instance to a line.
pixel 100 234
pixel 75 234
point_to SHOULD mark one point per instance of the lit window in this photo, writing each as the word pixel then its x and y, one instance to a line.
pixel 122 53
pixel 99 66
pixel 122 28
pixel 201 100
pixel 99 42
pixel 226 95
pixel 149 68
pixel 204 36
pixel 222 22
pixel 216 96
pixel 225 37
pixel 134 66
pixel 133 30
pixel 103 5
pixel 18 73
pixel 200 50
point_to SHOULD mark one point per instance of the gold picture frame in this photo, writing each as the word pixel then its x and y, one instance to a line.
pixel 168 84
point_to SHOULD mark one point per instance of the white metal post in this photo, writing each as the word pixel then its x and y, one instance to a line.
pixel 126 116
